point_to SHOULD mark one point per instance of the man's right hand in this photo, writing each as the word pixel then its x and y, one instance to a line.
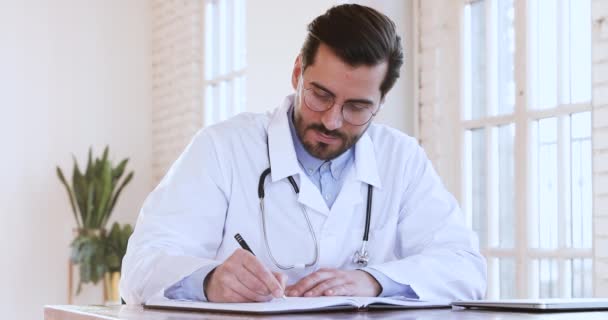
pixel 243 278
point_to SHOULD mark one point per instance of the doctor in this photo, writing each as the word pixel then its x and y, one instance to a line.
pixel 348 207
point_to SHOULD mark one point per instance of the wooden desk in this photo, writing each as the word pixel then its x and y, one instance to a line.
pixel 139 313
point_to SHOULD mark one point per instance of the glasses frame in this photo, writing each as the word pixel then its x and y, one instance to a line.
pixel 331 105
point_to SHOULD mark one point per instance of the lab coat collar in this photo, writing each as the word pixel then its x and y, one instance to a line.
pixel 365 161
pixel 282 154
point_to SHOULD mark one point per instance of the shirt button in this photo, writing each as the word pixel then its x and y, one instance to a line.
pixel 309 170
pixel 327 197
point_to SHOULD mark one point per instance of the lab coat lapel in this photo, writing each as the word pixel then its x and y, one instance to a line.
pixel 284 162
pixel 364 173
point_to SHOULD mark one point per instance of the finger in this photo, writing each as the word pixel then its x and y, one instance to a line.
pixel 282 278
pixel 251 281
pixel 237 286
pixel 339 290
pixel 232 295
pixel 311 281
pixel 256 268
pixel 323 286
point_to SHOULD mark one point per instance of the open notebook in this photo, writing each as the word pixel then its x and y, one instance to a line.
pixel 296 304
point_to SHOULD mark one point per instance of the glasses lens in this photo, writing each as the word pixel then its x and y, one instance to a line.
pixel 317 101
pixel 357 114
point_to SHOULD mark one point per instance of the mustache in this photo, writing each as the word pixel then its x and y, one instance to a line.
pixel 321 128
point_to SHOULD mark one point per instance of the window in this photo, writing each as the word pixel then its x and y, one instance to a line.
pixel 224 84
pixel 526 126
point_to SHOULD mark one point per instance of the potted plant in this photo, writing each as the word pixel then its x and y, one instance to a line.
pixel 93 195
pixel 115 249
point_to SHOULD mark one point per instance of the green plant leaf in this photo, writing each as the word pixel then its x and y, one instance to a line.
pixel 80 191
pixel 119 190
pixel 119 170
pixel 106 188
pixel 70 194
pixel 90 206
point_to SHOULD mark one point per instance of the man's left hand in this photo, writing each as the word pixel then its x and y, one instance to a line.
pixel 334 282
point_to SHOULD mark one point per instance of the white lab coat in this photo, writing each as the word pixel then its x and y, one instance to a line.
pixel 417 234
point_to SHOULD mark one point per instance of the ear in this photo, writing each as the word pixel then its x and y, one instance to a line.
pixel 297 72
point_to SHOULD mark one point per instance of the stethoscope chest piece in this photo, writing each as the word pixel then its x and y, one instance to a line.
pixel 361 257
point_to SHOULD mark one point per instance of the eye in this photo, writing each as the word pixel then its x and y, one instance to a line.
pixel 357 107
pixel 321 94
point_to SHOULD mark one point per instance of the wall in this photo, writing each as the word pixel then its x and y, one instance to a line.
pixel 72 74
pixel 176 75
pixel 599 45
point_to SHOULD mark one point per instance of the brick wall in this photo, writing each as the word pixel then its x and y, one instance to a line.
pixel 439 92
pixel 600 144
pixel 177 55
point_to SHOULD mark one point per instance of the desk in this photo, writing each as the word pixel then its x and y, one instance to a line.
pixel 139 313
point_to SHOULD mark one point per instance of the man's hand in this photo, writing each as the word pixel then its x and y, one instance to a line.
pixel 243 278
pixel 334 282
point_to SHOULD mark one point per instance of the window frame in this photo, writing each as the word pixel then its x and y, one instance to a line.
pixel 213 78
pixel 522 117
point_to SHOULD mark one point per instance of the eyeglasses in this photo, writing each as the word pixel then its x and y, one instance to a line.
pixel 354 113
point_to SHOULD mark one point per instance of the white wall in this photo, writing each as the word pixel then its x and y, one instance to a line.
pixel 72 74
pixel 275 33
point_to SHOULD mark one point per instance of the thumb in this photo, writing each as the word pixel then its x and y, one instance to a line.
pixel 281 277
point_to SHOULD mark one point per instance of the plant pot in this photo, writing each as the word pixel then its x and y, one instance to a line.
pixel 111 294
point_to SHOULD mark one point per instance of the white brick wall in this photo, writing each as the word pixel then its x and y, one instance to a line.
pixel 439 92
pixel 600 144
pixel 177 53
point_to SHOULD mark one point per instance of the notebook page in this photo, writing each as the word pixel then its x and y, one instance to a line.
pixel 289 304
pixel 399 302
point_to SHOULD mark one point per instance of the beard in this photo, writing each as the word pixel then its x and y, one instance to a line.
pixel 321 150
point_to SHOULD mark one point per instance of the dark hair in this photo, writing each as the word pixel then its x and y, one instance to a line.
pixel 359 35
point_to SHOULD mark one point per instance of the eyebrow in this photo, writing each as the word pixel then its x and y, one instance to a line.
pixel 319 86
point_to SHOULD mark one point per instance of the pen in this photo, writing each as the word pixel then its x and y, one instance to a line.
pixel 245 246
pixel 243 243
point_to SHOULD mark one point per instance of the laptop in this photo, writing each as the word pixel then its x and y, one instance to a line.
pixel 574 304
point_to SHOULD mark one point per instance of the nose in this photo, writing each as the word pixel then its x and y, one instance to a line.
pixel 332 118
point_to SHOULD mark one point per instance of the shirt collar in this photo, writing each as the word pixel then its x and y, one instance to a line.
pixel 308 162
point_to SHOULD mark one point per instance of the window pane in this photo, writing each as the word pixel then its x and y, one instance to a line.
pixel 544 49
pixel 223 52
pixel 580 45
pixel 580 276
pixel 581 228
pixel 210 41
pixel 476 186
pixel 544 280
pixel 475 61
pixel 560 52
pixel 507 278
pixel 506 192
pixel 505 50
pixel 544 229
pixel 239 46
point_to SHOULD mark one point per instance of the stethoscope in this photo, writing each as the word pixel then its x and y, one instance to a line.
pixel 361 257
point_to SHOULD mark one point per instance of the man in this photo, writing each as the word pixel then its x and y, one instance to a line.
pixel 329 165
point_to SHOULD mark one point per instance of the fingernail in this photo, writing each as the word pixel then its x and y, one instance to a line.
pixel 277 293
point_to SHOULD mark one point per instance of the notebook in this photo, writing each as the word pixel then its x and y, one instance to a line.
pixel 538 304
pixel 296 304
